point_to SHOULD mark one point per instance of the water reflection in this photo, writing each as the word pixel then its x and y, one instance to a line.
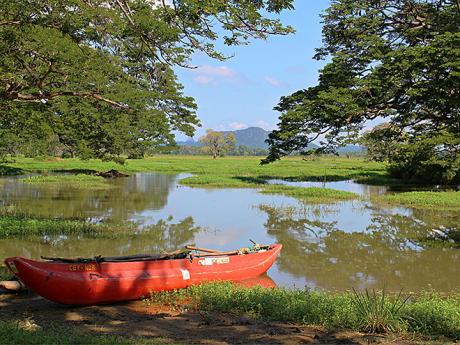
pixel 388 252
pixel 127 196
pixel 165 235
pixel 333 246
pixel 347 186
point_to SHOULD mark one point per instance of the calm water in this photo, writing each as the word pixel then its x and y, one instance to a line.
pixel 328 246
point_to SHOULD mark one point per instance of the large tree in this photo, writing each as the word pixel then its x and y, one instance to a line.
pixel 392 59
pixel 217 144
pixel 101 71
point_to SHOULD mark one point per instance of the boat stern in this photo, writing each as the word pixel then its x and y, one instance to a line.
pixel 11 265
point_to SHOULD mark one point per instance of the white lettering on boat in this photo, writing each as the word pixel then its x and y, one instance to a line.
pixel 185 274
pixel 212 261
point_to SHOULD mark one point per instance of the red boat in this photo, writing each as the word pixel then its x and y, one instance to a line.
pixel 104 280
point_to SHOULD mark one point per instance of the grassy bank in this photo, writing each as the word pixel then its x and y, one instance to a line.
pixel 227 171
pixel 311 194
pixel 444 200
pixel 26 332
pixel 426 314
pixel 243 172
pixel 18 224
pixel 73 181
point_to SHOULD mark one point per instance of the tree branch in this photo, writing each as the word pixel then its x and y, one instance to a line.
pixel 39 97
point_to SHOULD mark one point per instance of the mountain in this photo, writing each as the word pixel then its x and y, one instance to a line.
pixel 252 137
pixel 351 149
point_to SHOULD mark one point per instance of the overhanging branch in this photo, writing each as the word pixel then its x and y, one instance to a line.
pixel 40 97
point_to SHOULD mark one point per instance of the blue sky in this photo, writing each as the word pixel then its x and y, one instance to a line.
pixel 242 91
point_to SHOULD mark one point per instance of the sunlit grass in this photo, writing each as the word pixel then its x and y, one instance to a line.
pixel 423 199
pixel 293 168
pixel 83 181
pixel 313 194
pixel 372 312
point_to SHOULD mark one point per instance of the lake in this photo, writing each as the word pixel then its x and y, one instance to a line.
pixel 334 246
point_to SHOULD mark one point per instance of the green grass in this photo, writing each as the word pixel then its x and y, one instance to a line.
pixel 244 169
pixel 26 332
pixel 378 312
pixel 246 172
pixel 18 224
pixel 74 181
pixel 444 200
pixel 312 194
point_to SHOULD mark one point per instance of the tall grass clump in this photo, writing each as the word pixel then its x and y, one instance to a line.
pixel 377 312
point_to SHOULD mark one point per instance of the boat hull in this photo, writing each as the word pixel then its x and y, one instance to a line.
pixel 106 282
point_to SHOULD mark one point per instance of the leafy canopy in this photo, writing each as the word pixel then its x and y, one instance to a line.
pixel 218 143
pixel 391 59
pixel 99 73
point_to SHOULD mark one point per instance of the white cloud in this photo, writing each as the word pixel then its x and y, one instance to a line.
pixel 265 125
pixel 238 125
pixel 213 74
pixel 203 80
pixel 274 82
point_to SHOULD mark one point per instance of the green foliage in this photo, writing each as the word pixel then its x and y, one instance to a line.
pixel 382 142
pixel 394 60
pixel 430 158
pixel 93 79
pixel 218 143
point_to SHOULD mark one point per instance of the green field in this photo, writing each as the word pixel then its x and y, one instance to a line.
pixel 241 172
pixel 227 171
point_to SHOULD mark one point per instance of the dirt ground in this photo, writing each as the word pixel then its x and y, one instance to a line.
pixel 138 319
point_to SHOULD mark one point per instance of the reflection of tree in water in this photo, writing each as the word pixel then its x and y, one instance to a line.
pixel 165 235
pixel 389 252
pixel 127 196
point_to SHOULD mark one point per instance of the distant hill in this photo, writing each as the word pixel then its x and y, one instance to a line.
pixel 253 137
pixel 351 149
